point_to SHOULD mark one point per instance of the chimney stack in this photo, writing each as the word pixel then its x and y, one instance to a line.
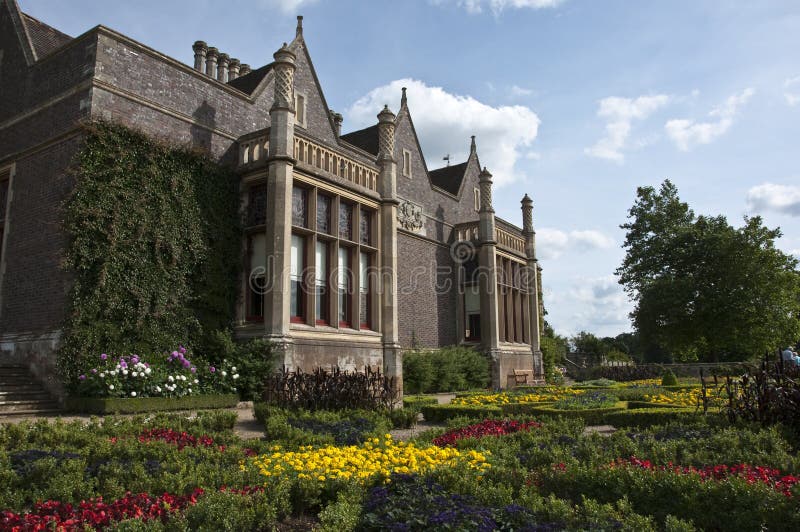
pixel 337 121
pixel 244 69
pixel 211 62
pixel 200 49
pixel 222 67
pixel 233 69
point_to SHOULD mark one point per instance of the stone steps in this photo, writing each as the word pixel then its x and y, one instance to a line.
pixel 21 394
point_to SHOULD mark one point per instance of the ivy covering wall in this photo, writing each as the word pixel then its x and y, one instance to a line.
pixel 154 247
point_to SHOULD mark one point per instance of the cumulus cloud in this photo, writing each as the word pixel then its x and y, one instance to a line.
pixel 619 114
pixel 498 6
pixel 445 121
pixel 601 306
pixel 286 6
pixel 553 243
pixel 686 133
pixel 774 198
pixel 791 91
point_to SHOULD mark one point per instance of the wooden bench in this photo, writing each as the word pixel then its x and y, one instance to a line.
pixel 520 377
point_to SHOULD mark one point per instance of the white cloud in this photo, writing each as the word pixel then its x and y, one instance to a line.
pixel 619 113
pixel 445 121
pixel 774 198
pixel 553 243
pixel 791 87
pixel 286 6
pixel 602 306
pixel 498 6
pixel 686 133
pixel 518 91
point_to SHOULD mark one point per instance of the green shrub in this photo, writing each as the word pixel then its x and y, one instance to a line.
pixel 668 378
pixel 295 427
pixel 593 416
pixel 648 417
pixel 418 401
pixel 448 369
pixel 132 405
pixel 217 511
pixel 404 418
pixel 254 360
pixel 440 413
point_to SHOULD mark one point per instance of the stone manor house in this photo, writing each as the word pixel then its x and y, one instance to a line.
pixel 354 250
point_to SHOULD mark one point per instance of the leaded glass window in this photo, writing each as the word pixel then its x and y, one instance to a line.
pixel 323 213
pixel 257 205
pixel 365 226
pixel 299 207
pixel 345 221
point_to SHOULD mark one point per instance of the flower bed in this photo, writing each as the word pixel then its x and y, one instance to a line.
pixel 489 427
pixel 375 460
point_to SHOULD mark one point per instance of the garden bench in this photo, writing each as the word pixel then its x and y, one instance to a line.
pixel 520 377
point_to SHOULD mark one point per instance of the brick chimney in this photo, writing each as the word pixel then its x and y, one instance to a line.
pixel 200 48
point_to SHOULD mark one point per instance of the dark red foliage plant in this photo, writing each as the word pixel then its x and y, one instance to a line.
pixel 488 427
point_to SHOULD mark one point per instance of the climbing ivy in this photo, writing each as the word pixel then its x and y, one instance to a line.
pixel 154 247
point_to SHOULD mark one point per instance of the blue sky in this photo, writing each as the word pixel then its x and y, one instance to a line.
pixel 575 102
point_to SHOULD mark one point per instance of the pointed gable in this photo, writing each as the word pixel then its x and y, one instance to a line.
pixel 14 35
pixel 45 39
pixel 315 118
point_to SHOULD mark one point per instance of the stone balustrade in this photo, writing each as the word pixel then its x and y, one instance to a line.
pixel 253 150
pixel 309 152
pixel 505 239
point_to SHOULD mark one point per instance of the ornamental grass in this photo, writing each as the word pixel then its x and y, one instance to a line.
pixel 374 460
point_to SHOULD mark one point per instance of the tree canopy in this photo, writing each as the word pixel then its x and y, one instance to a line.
pixel 705 290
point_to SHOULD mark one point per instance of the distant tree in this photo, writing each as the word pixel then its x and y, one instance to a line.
pixel 554 350
pixel 590 345
pixel 705 290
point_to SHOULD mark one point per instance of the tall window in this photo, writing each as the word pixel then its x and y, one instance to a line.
pixel 321 282
pixel 364 291
pixel 472 301
pixel 257 205
pixel 365 227
pixel 406 163
pixel 300 109
pixel 297 268
pixel 299 207
pixel 511 301
pixel 476 198
pixel 256 279
pixel 345 220
pixel 345 287
pixel 4 180
pixel 323 213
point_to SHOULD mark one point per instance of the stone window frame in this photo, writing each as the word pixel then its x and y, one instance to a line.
pixel 512 301
pixel 406 163
pixel 301 111
pixel 7 174
pixel 335 242
pixel 476 199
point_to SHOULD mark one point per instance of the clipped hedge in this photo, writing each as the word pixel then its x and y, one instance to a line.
pixel 441 413
pixel 644 404
pixel 593 416
pixel 649 417
pixel 133 405
pixel 418 401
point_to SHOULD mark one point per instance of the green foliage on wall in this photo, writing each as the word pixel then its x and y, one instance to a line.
pixel 154 247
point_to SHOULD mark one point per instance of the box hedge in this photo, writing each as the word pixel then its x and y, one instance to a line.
pixel 648 417
pixel 133 405
pixel 418 401
pixel 440 413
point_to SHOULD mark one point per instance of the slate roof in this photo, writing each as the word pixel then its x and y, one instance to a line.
pixel 45 39
pixel 250 81
pixel 366 139
pixel 449 178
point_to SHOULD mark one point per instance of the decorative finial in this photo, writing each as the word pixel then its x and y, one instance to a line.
pixel 403 99
pixel 472 148
pixel 299 31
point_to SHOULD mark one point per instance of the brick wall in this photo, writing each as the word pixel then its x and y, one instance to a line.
pixel 426 298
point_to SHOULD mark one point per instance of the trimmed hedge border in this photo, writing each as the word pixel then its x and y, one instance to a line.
pixel 134 405
pixel 648 417
pixel 594 416
pixel 635 405
pixel 440 413
pixel 418 401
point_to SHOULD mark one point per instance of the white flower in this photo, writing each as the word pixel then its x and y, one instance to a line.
pixel 158 389
pixel 134 374
pixel 183 377
pixel 224 373
pixel 233 368
pixel 124 371
pixel 147 371
pixel 171 378
pixel 110 386
pixel 235 376
pixel 196 381
pixel 189 390
pixel 103 375
pixel 133 394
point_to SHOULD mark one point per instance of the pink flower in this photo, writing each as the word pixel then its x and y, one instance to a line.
pixel 103 356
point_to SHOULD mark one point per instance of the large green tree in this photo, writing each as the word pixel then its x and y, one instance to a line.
pixel 705 290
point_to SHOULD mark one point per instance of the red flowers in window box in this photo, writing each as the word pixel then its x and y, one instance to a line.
pixel 488 427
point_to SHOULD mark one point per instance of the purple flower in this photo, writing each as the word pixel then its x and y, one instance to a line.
pixel 194 369
pixel 182 349
pixel 122 363
pixel 174 354
pixel 134 359
pixel 146 365
pixel 82 377
pixel 186 363
pixel 212 369
pixel 103 356
pixel 94 370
